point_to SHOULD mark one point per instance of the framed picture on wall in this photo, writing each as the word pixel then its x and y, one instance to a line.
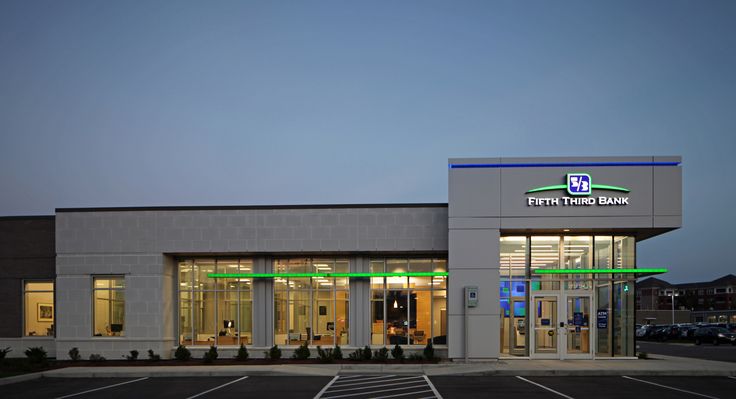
pixel 45 312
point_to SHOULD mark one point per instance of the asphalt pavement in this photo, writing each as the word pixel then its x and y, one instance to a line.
pixel 376 386
pixel 722 353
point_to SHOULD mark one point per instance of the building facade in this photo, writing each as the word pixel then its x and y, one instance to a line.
pixel 530 257
pixel 698 302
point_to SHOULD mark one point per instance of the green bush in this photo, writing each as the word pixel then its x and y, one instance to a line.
pixel 325 355
pixel 74 354
pixel 429 352
pixel 96 358
pixel 182 353
pixel 361 354
pixel 415 357
pixel 274 353
pixel 4 352
pixel 242 353
pixel 211 355
pixel 398 353
pixel 381 355
pixel 302 352
pixel 337 353
pixel 36 355
pixel 133 355
pixel 153 356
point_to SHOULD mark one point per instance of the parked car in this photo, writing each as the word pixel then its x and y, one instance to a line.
pixel 716 335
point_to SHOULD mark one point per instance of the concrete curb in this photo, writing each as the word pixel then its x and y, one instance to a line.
pixel 20 378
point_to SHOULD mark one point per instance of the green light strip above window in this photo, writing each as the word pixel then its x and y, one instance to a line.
pixel 303 275
pixel 600 271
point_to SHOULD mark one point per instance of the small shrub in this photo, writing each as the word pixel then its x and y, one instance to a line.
pixel 428 352
pixel 361 354
pixel 302 352
pixel 182 353
pixel 153 356
pixel 416 357
pixel 398 353
pixel 74 354
pixel 337 353
pixel 96 358
pixel 133 355
pixel 242 353
pixel 381 355
pixel 643 355
pixel 211 355
pixel 274 353
pixel 4 352
pixel 36 355
pixel 325 355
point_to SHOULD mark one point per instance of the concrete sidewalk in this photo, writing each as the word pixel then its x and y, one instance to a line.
pixel 658 365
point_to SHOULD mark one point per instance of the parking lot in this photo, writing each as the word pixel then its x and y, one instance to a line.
pixel 722 353
pixel 375 386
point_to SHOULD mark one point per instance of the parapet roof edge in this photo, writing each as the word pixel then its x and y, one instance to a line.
pixel 250 207
pixel 26 217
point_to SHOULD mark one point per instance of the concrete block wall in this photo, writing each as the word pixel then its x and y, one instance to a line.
pixel 142 244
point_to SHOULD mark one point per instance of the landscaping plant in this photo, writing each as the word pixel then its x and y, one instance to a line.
pixel 242 353
pixel 182 353
pixel 152 356
pixel 74 354
pixel 133 355
pixel 274 353
pixel 211 355
pixel 398 353
pixel 302 352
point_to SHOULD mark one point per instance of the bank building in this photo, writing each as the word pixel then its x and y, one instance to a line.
pixel 530 257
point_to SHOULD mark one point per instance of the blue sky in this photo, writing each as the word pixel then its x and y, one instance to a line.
pixel 135 103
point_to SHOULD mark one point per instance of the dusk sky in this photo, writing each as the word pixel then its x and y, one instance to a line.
pixel 142 103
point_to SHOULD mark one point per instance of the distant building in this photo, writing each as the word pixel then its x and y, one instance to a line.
pixel 711 301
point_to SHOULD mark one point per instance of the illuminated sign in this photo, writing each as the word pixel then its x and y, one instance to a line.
pixel 579 187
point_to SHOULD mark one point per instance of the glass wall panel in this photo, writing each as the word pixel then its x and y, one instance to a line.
pixel 316 311
pixel 408 311
pixel 108 316
pixel 513 293
pixel 576 255
pixel 545 254
pixel 214 311
pixel 38 299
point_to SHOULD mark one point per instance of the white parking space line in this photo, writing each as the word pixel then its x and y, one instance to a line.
pixel 544 387
pixel 376 382
pixel 733 378
pixel 378 391
pixel 349 377
pixel 368 378
pixel 217 387
pixel 669 387
pixel 436 393
pixel 326 387
pixel 371 387
pixel 404 394
pixel 101 388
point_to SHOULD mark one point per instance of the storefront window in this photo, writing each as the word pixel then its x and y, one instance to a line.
pixel 108 294
pixel 576 255
pixel 215 311
pixel 513 294
pixel 311 309
pixel 408 310
pixel 39 309
pixel 545 254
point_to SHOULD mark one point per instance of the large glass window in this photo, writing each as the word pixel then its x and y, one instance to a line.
pixel 108 317
pixel 545 254
pixel 513 294
pixel 408 310
pixel 38 298
pixel 311 309
pixel 215 311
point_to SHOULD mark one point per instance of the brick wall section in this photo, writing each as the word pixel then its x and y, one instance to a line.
pixel 26 253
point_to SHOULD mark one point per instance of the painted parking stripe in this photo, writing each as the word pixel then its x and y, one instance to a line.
pixel 217 387
pixel 369 378
pixel 376 382
pixel 101 388
pixel 669 387
pixel 372 392
pixel 371 387
pixel 436 393
pixel 326 387
pixel 544 387
pixel 404 394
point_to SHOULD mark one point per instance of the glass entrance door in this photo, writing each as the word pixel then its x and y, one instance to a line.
pixel 545 337
pixel 577 329
pixel 561 326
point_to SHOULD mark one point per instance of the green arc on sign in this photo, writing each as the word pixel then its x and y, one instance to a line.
pixel 564 187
